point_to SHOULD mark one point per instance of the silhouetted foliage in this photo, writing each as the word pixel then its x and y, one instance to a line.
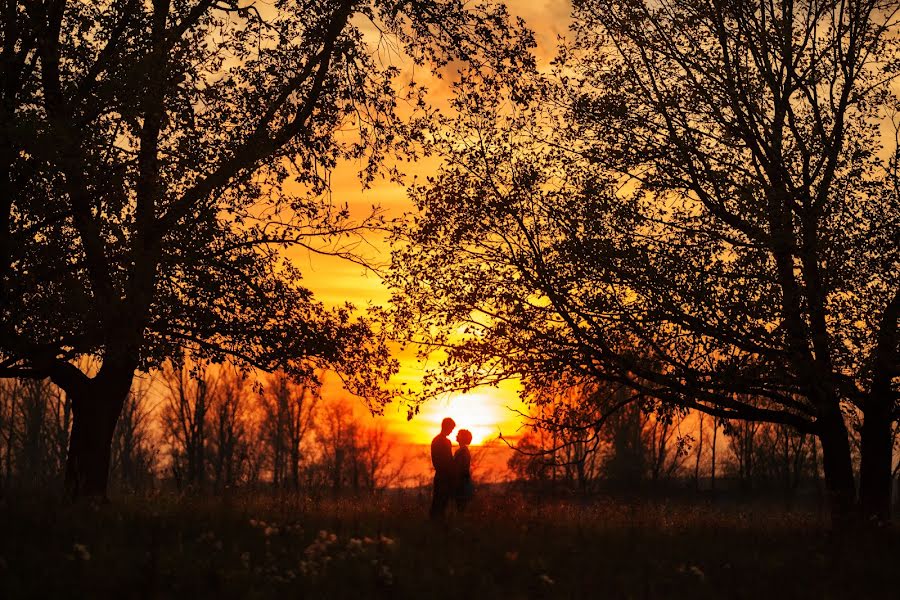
pixel 189 397
pixel 157 157
pixel 289 410
pixel 355 457
pixel 35 419
pixel 233 431
pixel 695 205
pixel 598 435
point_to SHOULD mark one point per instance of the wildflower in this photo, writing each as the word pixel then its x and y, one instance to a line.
pixel 697 571
pixel 245 559
pixel 355 545
pixel 386 540
pixel 270 530
pixel 81 551
pixel 546 579
pixel 253 522
pixel 385 575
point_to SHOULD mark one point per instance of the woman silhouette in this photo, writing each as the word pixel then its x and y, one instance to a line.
pixel 462 463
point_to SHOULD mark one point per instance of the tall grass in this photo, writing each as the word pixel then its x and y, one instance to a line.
pixel 505 546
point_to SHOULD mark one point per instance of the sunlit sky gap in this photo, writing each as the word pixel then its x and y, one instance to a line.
pixel 486 412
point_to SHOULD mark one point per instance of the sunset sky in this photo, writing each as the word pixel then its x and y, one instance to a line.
pixel 486 412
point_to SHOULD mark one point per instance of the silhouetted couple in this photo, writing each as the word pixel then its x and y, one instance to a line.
pixel 452 474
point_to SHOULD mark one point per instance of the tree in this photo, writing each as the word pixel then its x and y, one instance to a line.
pixel 380 464
pixel 34 419
pixel 566 437
pixel 134 447
pixel 230 425
pixel 338 434
pixel 289 409
pixel 190 389
pixel 693 205
pixel 10 395
pixel 354 455
pixel 600 433
pixel 158 156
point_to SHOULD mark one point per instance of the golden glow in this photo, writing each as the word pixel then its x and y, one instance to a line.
pixel 486 413
pixel 478 413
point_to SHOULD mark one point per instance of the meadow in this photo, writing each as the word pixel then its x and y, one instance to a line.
pixel 508 545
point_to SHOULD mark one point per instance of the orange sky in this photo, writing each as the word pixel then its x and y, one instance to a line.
pixel 486 412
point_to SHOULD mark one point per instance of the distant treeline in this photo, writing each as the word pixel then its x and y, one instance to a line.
pixel 200 428
pixel 570 445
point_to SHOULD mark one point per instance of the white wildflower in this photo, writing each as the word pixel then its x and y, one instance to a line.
pixel 81 551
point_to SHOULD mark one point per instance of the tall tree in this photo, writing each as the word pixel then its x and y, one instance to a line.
pixel 155 159
pixel 190 389
pixel 230 424
pixel 338 430
pixel 289 410
pixel 699 204
pixel 134 448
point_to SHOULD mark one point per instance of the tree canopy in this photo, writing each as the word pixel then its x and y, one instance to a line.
pixel 158 157
pixel 699 202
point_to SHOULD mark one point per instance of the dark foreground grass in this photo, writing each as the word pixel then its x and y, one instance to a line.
pixel 505 547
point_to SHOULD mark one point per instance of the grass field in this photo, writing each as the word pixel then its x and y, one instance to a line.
pixel 505 547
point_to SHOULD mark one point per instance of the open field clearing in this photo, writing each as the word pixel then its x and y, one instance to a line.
pixel 505 547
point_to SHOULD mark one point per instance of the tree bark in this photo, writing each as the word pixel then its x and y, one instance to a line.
pixel 699 453
pixel 712 472
pixel 837 464
pixel 875 465
pixel 95 409
pixel 876 436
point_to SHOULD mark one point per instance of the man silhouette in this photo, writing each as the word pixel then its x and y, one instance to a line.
pixel 442 459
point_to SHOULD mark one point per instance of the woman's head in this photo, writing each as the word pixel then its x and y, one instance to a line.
pixel 464 437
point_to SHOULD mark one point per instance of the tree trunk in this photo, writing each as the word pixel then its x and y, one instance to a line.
pixel 95 410
pixel 712 473
pixel 875 465
pixel 699 453
pixel 839 484
pixel 876 437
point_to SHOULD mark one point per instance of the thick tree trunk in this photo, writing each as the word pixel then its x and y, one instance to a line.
pixel 95 408
pixel 838 466
pixel 877 443
pixel 712 472
pixel 876 454
pixel 699 454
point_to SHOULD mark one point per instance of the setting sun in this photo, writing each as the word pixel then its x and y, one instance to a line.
pixel 485 413
pixel 476 413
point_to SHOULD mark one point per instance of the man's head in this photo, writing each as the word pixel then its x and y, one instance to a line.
pixel 447 425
